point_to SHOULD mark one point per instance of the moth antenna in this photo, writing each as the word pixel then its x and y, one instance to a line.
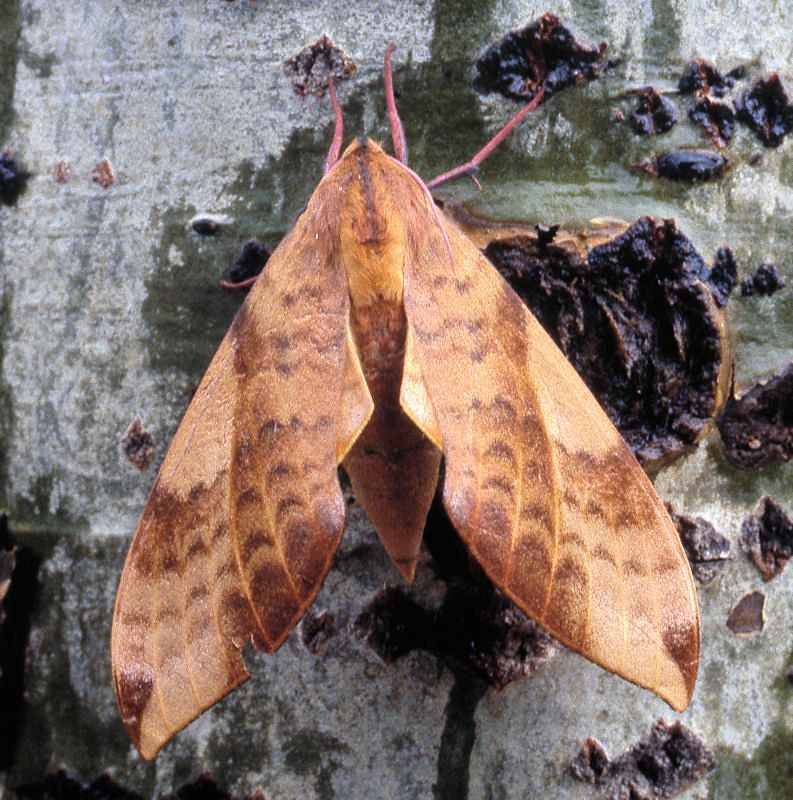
pixel 338 131
pixel 468 169
pixel 397 131
pixel 240 285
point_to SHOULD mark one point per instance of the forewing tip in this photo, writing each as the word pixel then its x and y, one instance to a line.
pixel 149 742
pixel 678 700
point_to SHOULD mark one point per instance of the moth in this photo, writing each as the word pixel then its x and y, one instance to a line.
pixel 380 339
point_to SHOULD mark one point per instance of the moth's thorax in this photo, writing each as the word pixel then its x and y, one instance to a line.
pixel 372 230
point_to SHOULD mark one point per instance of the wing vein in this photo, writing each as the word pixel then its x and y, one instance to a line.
pixel 187 658
pixel 161 700
pixel 478 491
pixel 556 508
pixel 235 545
pixel 656 603
pixel 516 516
pixel 623 595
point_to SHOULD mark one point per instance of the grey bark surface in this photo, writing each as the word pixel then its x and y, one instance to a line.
pixel 110 310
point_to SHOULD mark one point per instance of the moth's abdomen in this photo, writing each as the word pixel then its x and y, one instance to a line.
pixel 393 467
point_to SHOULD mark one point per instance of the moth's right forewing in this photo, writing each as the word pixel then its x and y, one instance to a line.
pixel 538 482
pixel 247 511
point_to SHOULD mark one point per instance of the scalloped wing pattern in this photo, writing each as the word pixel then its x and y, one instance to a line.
pixel 247 511
pixel 538 482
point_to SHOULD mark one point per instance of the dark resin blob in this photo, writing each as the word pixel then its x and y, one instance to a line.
pixel 543 54
pixel 638 318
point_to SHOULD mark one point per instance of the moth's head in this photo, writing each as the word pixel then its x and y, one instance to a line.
pixel 363 145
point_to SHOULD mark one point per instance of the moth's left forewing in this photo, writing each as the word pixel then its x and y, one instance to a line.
pixel 538 482
pixel 246 512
